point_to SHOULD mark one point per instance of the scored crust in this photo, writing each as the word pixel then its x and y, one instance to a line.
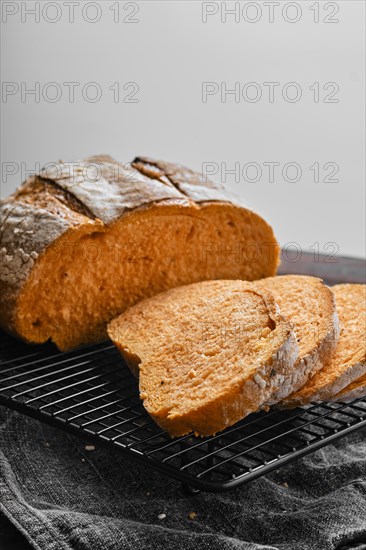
pixel 310 306
pixel 207 354
pixel 348 362
pixel 78 249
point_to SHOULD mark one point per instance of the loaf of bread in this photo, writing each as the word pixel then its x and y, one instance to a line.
pixel 348 363
pixel 206 354
pixel 81 243
pixel 310 306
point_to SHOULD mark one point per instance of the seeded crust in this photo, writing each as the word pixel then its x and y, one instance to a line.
pixel 77 246
pixel 207 354
pixel 353 391
pixel 348 362
pixel 310 306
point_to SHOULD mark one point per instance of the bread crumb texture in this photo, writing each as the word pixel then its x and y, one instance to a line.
pixel 207 354
pixel 348 363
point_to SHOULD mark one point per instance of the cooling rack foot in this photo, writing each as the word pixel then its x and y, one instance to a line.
pixel 188 490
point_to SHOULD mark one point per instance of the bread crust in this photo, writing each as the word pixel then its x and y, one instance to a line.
pixel 327 392
pixel 354 391
pixel 306 367
pixel 323 347
pixel 62 204
pixel 340 371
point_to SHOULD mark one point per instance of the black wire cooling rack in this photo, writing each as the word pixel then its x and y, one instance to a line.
pixel 92 394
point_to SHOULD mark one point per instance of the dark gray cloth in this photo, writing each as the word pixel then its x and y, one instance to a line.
pixel 62 497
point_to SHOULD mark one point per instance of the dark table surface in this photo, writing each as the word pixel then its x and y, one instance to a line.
pixel 332 477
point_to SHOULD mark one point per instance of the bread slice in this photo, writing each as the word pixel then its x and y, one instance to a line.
pixel 352 391
pixel 310 306
pixel 207 354
pixel 348 362
pixel 82 242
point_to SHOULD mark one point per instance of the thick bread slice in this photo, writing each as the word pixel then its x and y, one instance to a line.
pixel 207 354
pixel 82 242
pixel 310 306
pixel 348 362
pixel 352 391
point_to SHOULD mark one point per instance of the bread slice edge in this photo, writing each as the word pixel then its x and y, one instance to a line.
pixel 353 391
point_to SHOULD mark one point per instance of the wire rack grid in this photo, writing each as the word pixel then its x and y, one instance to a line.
pixel 92 394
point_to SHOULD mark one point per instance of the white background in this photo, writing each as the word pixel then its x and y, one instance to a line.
pixel 169 53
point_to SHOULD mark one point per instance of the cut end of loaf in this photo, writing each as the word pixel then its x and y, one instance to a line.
pixel 94 272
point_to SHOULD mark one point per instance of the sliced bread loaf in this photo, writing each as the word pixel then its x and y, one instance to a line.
pixel 348 362
pixel 207 354
pixel 310 306
pixel 83 241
